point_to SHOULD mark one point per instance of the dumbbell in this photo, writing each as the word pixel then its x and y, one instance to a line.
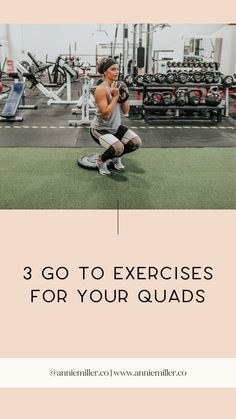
pixel 194 97
pixel 168 98
pixel 129 80
pixel 181 97
pixel 171 77
pixel 198 76
pixel 148 99
pixel 148 78
pixel 138 79
pixel 227 80
pixel 213 97
pixel 183 77
pixel 157 98
pixel 209 77
pixel 160 78
pixel 124 94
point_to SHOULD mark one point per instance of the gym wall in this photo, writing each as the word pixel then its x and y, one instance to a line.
pixel 55 39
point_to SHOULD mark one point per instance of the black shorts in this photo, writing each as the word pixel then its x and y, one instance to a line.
pixel 106 139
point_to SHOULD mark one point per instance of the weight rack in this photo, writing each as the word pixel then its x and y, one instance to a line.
pixel 217 111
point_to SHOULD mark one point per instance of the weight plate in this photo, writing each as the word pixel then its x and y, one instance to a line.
pixel 148 78
pixel 88 160
pixel 228 80
pixel 183 77
pixel 139 79
pixel 129 80
pixel 160 77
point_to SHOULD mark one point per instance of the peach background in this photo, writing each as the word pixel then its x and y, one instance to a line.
pixel 117 403
pixel 53 237
pixel 181 11
pixel 147 238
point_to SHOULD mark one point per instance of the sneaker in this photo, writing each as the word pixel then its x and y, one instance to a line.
pixel 117 163
pixel 102 167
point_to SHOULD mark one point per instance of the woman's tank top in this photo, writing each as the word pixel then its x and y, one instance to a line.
pixel 112 123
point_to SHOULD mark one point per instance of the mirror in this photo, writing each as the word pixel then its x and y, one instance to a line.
pixel 206 49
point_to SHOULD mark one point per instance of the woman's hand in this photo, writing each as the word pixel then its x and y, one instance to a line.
pixel 115 91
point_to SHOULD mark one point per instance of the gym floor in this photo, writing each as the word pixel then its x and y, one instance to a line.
pixel 183 164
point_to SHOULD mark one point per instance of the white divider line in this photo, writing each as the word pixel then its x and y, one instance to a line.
pixel 118 372
pixel 142 127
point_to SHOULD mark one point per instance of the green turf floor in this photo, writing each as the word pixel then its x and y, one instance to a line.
pixel 201 178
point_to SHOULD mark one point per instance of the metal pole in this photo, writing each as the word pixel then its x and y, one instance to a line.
pixel 8 44
pixel 68 87
pixel 134 49
pixel 114 46
pixel 125 49
pixel 140 44
pixel 150 45
pixel 75 49
pixel 96 58
pixel 156 62
pixel 147 47
pixel 140 41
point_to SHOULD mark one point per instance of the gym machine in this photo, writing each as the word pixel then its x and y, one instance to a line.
pixel 57 75
pixel 14 100
pixel 65 70
pixel 54 96
pixel 85 105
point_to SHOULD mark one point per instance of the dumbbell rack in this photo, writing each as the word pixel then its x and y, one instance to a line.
pixel 214 110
